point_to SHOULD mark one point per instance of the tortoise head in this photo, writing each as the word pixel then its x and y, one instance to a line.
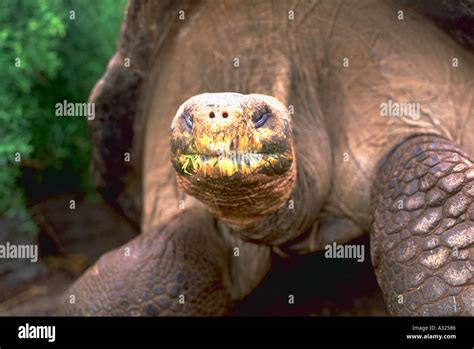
pixel 234 153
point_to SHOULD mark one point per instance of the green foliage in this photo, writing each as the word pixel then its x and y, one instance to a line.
pixel 47 57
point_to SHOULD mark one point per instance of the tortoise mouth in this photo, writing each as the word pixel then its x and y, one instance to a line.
pixel 232 164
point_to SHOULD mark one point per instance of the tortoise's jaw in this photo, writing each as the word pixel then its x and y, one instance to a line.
pixel 235 165
pixel 238 187
pixel 241 172
pixel 239 194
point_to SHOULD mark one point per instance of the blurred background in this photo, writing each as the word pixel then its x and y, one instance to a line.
pixel 50 51
pixel 55 50
pixel 58 58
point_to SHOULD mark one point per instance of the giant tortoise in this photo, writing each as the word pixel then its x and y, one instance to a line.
pixel 226 130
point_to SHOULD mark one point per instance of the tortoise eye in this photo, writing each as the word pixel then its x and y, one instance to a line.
pixel 188 120
pixel 261 119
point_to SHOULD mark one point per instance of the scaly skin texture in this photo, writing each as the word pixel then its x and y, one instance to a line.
pixel 147 276
pixel 423 233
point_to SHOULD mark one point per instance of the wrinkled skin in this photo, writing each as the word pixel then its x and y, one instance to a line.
pixel 371 173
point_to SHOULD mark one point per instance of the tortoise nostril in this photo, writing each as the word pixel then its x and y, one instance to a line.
pixel 212 115
pixel 225 115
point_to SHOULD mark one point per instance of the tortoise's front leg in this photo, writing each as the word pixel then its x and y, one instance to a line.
pixel 422 238
pixel 180 268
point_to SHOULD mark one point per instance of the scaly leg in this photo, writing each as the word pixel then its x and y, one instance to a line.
pixel 422 238
pixel 180 268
